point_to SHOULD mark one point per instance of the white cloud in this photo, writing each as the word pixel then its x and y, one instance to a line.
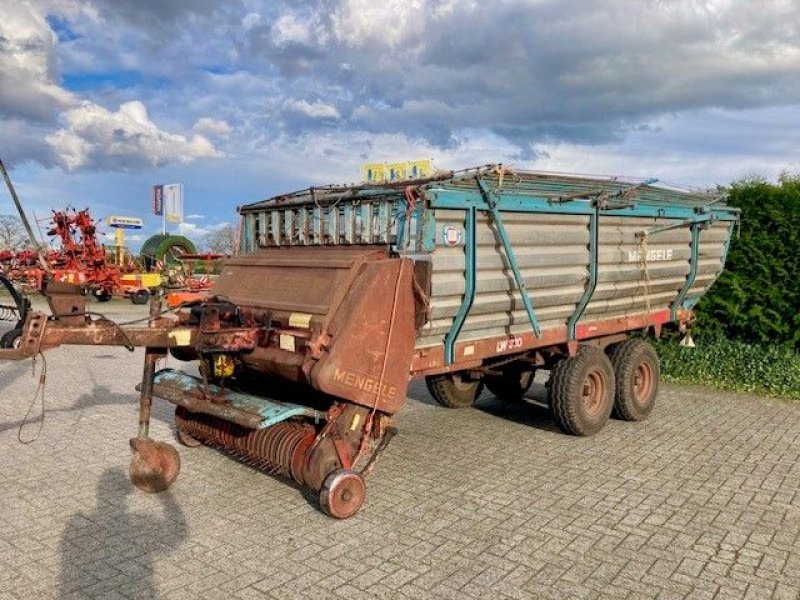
pixel 289 29
pixel 196 232
pixel 129 237
pixel 28 67
pixel 213 127
pixel 195 217
pixel 126 139
pixel 251 20
pixel 33 100
pixel 314 110
pixel 388 22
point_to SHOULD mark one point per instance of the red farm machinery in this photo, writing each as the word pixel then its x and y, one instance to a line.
pixel 341 295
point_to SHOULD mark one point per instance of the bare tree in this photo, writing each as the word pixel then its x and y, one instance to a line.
pixel 221 240
pixel 12 233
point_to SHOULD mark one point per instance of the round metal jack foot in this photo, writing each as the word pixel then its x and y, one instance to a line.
pixel 155 465
pixel 342 494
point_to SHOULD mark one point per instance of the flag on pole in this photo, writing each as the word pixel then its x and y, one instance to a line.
pixel 157 198
pixel 173 202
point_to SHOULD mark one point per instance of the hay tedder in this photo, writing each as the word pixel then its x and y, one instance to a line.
pixel 307 341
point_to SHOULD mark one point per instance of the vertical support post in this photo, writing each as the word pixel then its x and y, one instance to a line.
pixel 148 373
pixel 690 278
pixel 470 242
pixel 594 226
pixel 512 259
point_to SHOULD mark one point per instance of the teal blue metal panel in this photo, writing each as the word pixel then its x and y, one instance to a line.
pixel 427 229
pixel 459 199
pixel 470 241
pixel 270 411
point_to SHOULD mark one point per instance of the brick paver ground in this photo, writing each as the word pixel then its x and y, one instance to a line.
pixel 700 501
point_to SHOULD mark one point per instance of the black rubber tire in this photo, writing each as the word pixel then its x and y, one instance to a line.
pixel 101 296
pixel 452 390
pixel 11 339
pixel 515 380
pixel 571 377
pixel 184 353
pixel 635 361
pixel 140 297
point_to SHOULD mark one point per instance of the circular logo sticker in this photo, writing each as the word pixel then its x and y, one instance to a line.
pixel 451 235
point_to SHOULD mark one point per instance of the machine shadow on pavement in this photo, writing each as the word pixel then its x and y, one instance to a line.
pixel 530 410
pixel 112 548
pixel 99 396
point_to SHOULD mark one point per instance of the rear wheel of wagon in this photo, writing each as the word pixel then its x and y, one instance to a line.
pixel 11 339
pixel 512 383
pixel 637 372
pixel 454 390
pixel 582 391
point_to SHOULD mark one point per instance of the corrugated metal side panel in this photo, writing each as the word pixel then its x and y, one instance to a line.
pixel 552 254
pixel 635 275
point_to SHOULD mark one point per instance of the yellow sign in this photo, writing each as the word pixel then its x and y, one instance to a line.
pixel 397 171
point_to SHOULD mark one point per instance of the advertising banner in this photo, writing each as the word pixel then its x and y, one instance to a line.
pixel 157 198
pixel 173 202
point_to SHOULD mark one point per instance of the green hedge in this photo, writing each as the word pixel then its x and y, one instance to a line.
pixel 767 370
pixel 757 297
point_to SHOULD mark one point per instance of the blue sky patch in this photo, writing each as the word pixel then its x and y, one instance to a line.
pixel 61 28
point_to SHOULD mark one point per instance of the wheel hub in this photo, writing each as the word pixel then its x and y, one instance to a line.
pixel 342 494
pixel 643 382
pixel 594 393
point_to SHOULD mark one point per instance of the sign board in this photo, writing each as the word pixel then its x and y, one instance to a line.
pixel 124 222
pixel 397 171
pixel 173 202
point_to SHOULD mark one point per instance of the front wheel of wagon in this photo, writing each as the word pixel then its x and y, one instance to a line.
pixel 454 390
pixel 637 372
pixel 582 391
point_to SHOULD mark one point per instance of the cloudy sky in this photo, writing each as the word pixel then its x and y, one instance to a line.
pixel 241 99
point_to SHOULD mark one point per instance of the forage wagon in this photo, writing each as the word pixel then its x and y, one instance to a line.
pixel 343 294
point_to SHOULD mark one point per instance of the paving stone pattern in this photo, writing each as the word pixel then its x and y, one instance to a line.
pixel 700 501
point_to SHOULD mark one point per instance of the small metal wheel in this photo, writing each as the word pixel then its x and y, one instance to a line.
pixel 342 494
pixel 184 353
pixel 454 390
pixel 637 371
pixel 512 383
pixel 155 465
pixel 11 339
pixel 102 295
pixel 582 391
pixel 140 297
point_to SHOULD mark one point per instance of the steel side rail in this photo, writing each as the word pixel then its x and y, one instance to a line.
pixel 594 249
pixel 470 243
pixel 511 256
pixel 690 278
